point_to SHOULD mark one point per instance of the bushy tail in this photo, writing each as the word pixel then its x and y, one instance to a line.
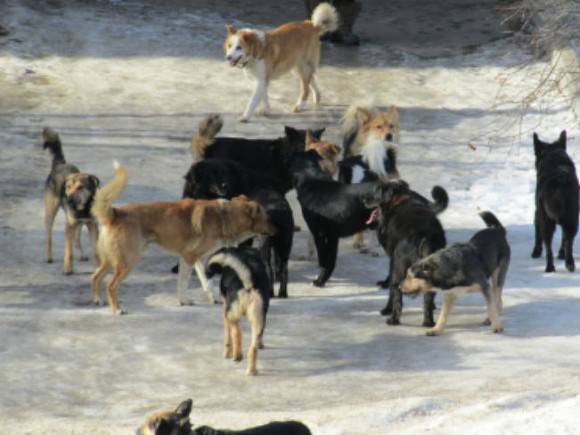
pixel 51 141
pixel 349 126
pixel 223 258
pixel 440 198
pixel 325 18
pixel 491 221
pixel 102 204
pixel 207 129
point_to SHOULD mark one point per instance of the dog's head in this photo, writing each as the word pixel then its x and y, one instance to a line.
pixel 328 152
pixel 296 138
pixel 384 193
pixel 79 191
pixel 374 127
pixel 307 165
pixel 253 216
pixel 240 46
pixel 212 179
pixel 420 275
pixel 541 148
pixel 168 422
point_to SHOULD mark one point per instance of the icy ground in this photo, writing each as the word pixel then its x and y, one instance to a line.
pixel 129 80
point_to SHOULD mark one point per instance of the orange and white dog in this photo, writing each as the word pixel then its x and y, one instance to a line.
pixel 269 55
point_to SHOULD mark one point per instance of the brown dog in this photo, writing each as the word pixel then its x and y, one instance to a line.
pixel 66 187
pixel 328 151
pixel 187 228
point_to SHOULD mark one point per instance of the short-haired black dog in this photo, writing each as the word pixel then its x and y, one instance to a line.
pixel 270 157
pixel 464 268
pixel 177 423
pixel 405 219
pixel 220 178
pixel 331 209
pixel 556 200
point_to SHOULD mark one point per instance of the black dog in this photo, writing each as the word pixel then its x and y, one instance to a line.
pixel 331 209
pixel 219 178
pixel 270 157
pixel 556 200
pixel 177 423
pixel 405 219
pixel 464 268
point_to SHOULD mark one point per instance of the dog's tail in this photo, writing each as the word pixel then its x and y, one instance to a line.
pixel 51 141
pixel 325 18
pixel 440 199
pixel 491 221
pixel 102 204
pixel 223 259
pixel 349 126
pixel 207 130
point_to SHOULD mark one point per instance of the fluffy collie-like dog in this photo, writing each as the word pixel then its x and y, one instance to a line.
pixel 271 54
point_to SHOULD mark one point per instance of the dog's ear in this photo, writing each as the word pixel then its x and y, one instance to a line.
pixel 363 115
pixel 537 144
pixel 230 29
pixel 317 134
pixel 393 113
pixel 308 140
pixel 184 408
pixel 424 249
pixel 95 182
pixel 562 140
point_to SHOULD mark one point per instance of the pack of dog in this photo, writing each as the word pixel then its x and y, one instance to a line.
pixel 269 55
pixel 408 229
pixel 177 422
pixel 68 188
pixel 556 200
pixel 464 268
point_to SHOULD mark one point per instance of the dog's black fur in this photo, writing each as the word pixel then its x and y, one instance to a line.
pixel 556 200
pixel 349 165
pixel 178 423
pixel 219 178
pixel 330 208
pixel 405 219
pixel 270 157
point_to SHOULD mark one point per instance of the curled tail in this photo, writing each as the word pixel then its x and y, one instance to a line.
pixel 207 129
pixel 222 259
pixel 325 18
pixel 102 204
pixel 491 221
pixel 440 199
pixel 51 141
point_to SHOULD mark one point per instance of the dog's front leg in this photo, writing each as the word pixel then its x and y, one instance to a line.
pixel 200 271
pixel 94 238
pixel 259 92
pixel 448 302
pixel 69 236
pixel 183 277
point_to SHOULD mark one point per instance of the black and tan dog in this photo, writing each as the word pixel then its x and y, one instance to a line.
pixel 556 200
pixel 245 289
pixel 187 228
pixel 68 188
pixel 465 268
pixel 177 423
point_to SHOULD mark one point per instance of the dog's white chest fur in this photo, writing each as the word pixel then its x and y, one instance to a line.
pixel 374 154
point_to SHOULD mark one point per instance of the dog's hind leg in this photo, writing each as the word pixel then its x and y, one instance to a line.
pixel 227 333
pixel 96 280
pixel 448 302
pixel 428 308
pixel 183 277
pixel 548 226
pixel 94 237
pixel 568 233
pixel 305 73
pixel 236 334
pixel 327 248
pixel 491 298
pixel 315 91
pixel 256 319
pixel 51 205
pixel 70 232
pixel 119 274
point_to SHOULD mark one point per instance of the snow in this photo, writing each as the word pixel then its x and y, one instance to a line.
pixel 129 81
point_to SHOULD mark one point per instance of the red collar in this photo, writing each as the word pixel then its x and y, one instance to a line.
pixel 399 199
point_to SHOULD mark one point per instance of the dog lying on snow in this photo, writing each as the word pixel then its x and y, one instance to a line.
pixel 245 289
pixel 186 228
pixel 556 200
pixel 405 219
pixel 69 188
pixel 464 268
pixel 220 178
pixel 268 157
pixel 269 55
pixel 177 423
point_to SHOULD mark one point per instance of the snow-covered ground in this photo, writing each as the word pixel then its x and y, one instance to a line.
pixel 129 80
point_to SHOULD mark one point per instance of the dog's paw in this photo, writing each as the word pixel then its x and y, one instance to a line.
pixel 283 295
pixel 433 332
pixel 244 119
pixel 383 284
pixel 570 266
pixel 228 354
pixel 561 254
pixel 550 268
pixel 186 303
pixel 387 311
pixel 498 329
pixel 318 283
pixel 486 322
pixel 67 272
pixel 428 323
pixel 121 312
pixel 393 321
pixel 537 253
pixel 48 260
pixel 252 372
pixel 238 358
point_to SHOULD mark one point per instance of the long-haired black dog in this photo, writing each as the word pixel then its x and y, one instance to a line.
pixel 220 178
pixel 331 209
pixel 556 200
pixel 405 220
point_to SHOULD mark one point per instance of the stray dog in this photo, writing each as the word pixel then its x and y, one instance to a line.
pixel 72 190
pixel 177 423
pixel 219 178
pixel 556 200
pixel 245 289
pixel 328 152
pixel 405 219
pixel 465 268
pixel 187 228
pixel 331 209
pixel 370 134
pixel 269 55
pixel 268 157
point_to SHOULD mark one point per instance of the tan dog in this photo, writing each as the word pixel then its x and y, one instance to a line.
pixel 269 55
pixel 328 151
pixel 187 228
pixel 67 188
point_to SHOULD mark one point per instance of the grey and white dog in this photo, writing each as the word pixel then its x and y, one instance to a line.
pixel 465 268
